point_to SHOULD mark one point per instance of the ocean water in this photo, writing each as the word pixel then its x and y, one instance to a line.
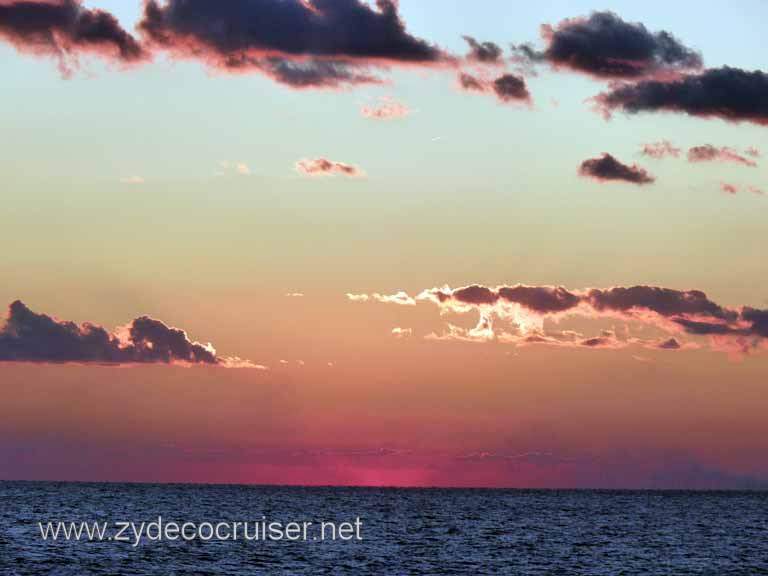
pixel 403 531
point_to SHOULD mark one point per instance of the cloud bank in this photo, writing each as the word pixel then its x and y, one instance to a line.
pixel 709 153
pixel 523 310
pixel 31 337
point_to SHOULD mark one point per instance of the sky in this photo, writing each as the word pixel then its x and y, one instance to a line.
pixel 530 258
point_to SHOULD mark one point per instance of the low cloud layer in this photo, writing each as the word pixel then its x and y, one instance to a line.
pixel 28 336
pixel 325 167
pixel 64 30
pixel 522 311
pixel 605 46
pixel 730 94
pixel 607 168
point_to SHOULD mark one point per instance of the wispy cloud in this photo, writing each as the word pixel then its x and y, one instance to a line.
pixel 325 167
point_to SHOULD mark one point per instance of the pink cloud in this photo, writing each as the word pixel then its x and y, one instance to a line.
pixel 325 167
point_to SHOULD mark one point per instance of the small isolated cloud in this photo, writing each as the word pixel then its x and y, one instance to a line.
pixel 731 94
pixel 756 190
pixel 227 167
pixel 660 149
pixel 387 109
pixel 709 153
pixel 398 332
pixel 294 294
pixel 132 180
pixel 31 337
pixel 605 46
pixel 325 167
pixel 507 87
pixel 483 52
pixel 607 168
pixel 729 188
pixel 64 29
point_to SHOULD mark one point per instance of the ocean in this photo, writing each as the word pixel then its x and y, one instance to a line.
pixel 398 531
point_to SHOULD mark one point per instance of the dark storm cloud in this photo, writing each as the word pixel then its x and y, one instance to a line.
pixel 65 28
pixel 606 46
pixel 486 52
pixel 606 167
pixel 31 337
pixel 341 29
pixel 731 94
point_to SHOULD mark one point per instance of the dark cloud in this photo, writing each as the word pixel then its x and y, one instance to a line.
pixel 509 87
pixel 542 299
pixel 731 94
pixel 471 83
pixel 476 295
pixel 758 320
pixel 606 46
pixel 31 337
pixel 486 52
pixel 709 153
pixel 301 43
pixel 662 301
pixel 607 168
pixel 709 328
pixel 313 73
pixel 65 29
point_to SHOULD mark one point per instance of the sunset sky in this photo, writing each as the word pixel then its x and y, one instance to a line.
pixel 406 246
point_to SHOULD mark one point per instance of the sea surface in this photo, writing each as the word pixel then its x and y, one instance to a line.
pixel 403 531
